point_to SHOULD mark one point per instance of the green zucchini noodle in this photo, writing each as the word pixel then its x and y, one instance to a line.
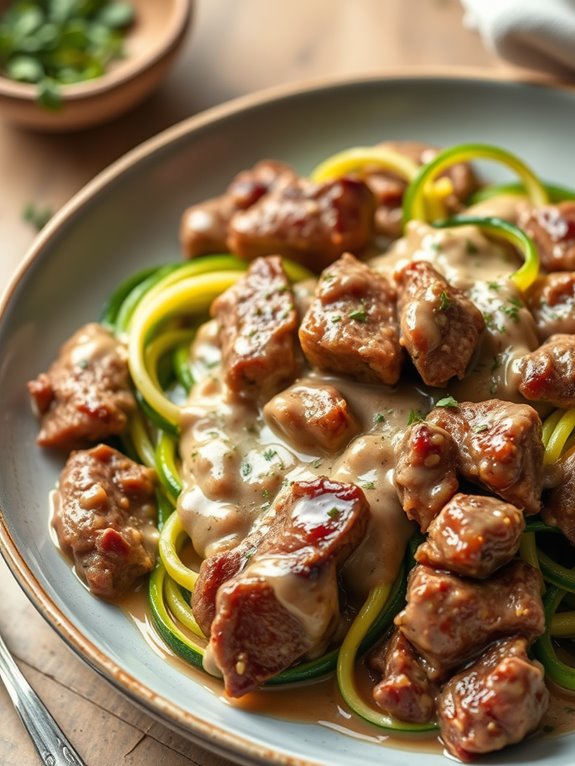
pixel 157 312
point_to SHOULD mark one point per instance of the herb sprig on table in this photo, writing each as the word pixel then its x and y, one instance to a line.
pixel 59 42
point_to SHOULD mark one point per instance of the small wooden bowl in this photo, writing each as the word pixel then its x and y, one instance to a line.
pixel 150 48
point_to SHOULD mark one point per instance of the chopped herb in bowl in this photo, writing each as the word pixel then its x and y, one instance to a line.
pixel 52 43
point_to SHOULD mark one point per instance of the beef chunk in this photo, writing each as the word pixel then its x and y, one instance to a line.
pixel 310 223
pixel 450 620
pixel 204 227
pixel 350 326
pixel 105 513
pixel 257 322
pixel 404 690
pixel 472 536
pixel 389 188
pixel 552 228
pixel 282 601
pixel 440 326
pixel 499 447
pixel 548 373
pixel 85 396
pixel 559 508
pixel 552 302
pixel 493 703
pixel 312 416
pixel 425 471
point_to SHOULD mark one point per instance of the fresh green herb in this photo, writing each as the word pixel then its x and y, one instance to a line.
pixel 479 428
pixel 334 513
pixel 470 247
pixel 379 417
pixel 414 416
pixel 336 318
pixel 368 485
pixel 512 310
pixel 266 494
pixel 360 315
pixel 50 43
pixel 444 301
pixel 246 469
pixel 269 454
pixel 494 286
pixel 37 216
pixel 84 364
pixel 447 401
pixel 317 463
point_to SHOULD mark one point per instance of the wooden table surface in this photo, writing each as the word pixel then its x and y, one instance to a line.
pixel 235 47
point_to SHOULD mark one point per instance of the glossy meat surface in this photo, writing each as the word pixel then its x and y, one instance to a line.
pixel 559 506
pixel 282 602
pixel 351 326
pixel 500 448
pixel 450 620
pixel 425 471
pixel 551 300
pixel 309 223
pixel 105 512
pixel 204 227
pixel 312 416
pixel 85 395
pixel 548 373
pixel 402 689
pixel 257 322
pixel 493 703
pixel 472 536
pixel 440 326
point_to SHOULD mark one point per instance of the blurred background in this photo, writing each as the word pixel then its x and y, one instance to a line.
pixel 233 47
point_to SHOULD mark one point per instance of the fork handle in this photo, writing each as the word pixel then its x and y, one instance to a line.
pixel 49 740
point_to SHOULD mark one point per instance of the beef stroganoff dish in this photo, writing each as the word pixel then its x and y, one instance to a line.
pixel 338 440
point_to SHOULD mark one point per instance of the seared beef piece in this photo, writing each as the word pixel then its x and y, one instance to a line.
pixel 425 471
pixel 351 326
pixel 85 396
pixel 440 326
pixel 310 223
pixel 548 373
pixel 472 536
pixel 450 620
pixel 552 302
pixel 257 322
pixel 493 703
pixel 499 447
pixel 552 228
pixel 389 188
pixel 559 508
pixel 204 227
pixel 282 603
pixel 404 690
pixel 312 416
pixel 105 511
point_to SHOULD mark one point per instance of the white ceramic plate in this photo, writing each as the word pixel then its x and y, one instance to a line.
pixel 128 219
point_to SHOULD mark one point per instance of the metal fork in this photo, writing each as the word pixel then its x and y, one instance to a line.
pixel 49 740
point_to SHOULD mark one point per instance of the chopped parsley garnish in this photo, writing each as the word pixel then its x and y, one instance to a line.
pixel 336 318
pixel 444 301
pixel 447 401
pixel 414 416
pixel 269 454
pixel 246 469
pixel 494 286
pixel 368 485
pixel 334 513
pixel 360 315
pixel 379 417
pixel 317 463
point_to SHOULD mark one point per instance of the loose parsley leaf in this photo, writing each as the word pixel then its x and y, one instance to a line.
pixel 368 485
pixel 415 416
pixel 269 454
pixel 334 513
pixel 444 301
pixel 360 315
pixel 447 401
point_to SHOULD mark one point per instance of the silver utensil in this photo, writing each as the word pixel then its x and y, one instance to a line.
pixel 49 740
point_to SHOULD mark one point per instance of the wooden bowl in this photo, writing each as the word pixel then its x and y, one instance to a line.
pixel 150 48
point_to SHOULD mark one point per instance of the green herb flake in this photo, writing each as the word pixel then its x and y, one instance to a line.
pixel 447 401
pixel 470 247
pixel 444 301
pixel 368 485
pixel 37 216
pixel 336 318
pixel 360 315
pixel 246 469
pixel 334 513
pixel 414 416
pixel 379 417
pixel 494 286
pixel 317 463
pixel 269 454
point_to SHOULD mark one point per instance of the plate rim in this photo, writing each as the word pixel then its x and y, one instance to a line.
pixel 210 736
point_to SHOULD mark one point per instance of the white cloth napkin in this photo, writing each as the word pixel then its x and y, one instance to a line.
pixel 539 34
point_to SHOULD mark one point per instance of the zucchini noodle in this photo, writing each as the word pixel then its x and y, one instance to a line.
pixel 362 157
pixel 375 603
pixel 554 192
pixel 172 538
pixel 526 275
pixel 562 430
pixel 414 203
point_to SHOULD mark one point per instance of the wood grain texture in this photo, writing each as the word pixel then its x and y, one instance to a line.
pixel 236 47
